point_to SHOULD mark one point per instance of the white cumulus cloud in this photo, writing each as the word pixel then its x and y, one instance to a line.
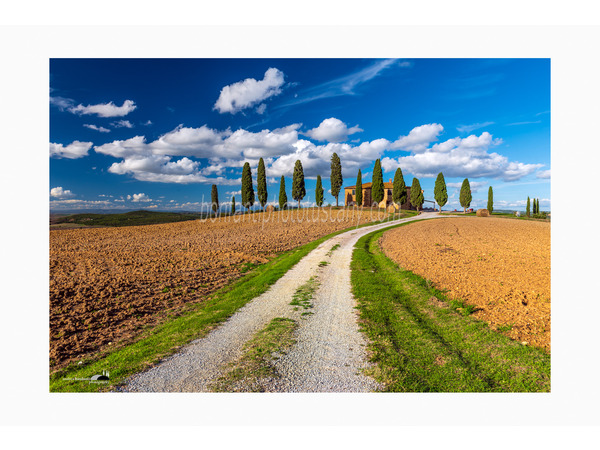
pixel 141 197
pixel 243 94
pixel 332 130
pixel 74 150
pixel 419 138
pixel 461 157
pixel 123 124
pixel 59 192
pixel 105 109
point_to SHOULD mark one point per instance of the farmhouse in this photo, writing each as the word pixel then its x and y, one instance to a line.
pixel 350 196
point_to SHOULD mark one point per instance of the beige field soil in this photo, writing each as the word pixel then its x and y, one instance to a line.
pixel 107 284
pixel 501 266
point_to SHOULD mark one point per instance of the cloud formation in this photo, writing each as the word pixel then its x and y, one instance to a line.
pixel 74 150
pixel 249 92
pixel 419 138
pixel 332 130
pixel 141 197
pixel 124 124
pixel 226 151
pixel 543 174
pixel 461 157
pixel 94 127
pixel 104 109
pixel 347 84
pixel 473 127
pixel 60 193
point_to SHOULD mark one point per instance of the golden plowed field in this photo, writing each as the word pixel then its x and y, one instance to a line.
pixel 106 284
pixel 501 266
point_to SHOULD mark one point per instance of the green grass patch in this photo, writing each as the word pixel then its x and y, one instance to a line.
pixel 323 263
pixel 165 339
pixel 304 294
pixel 333 249
pixel 421 341
pixel 248 374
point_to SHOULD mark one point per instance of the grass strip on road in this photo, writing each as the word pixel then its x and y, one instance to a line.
pixel 421 341
pixel 165 339
pixel 251 371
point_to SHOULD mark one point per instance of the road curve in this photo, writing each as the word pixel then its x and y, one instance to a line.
pixel 329 350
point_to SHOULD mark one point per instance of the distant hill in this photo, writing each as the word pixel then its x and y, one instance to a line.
pixel 140 217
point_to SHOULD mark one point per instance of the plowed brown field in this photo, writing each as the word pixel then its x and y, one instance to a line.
pixel 106 284
pixel 501 266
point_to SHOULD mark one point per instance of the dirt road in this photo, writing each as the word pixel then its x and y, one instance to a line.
pixel 329 350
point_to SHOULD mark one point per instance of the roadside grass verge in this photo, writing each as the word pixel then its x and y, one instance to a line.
pixel 421 341
pixel 248 374
pixel 156 343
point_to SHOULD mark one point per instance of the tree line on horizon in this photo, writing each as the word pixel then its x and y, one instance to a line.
pixel 399 190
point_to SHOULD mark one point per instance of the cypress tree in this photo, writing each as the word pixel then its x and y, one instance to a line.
pixel 439 191
pixel 377 186
pixel 261 184
pixel 214 198
pixel 465 194
pixel 416 196
pixel 490 205
pixel 282 194
pixel 527 208
pixel 336 176
pixel 247 188
pixel 399 188
pixel 233 205
pixel 358 189
pixel 534 207
pixel 298 190
pixel 319 192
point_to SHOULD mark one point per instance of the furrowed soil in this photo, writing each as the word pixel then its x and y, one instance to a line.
pixel 501 266
pixel 108 284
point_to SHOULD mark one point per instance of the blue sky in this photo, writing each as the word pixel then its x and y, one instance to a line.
pixel 157 133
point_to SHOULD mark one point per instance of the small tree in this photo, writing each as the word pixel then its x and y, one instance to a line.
pixel 298 189
pixel 336 176
pixel 247 188
pixel 399 188
pixel 527 209
pixel 416 193
pixel 214 198
pixel 233 204
pixel 465 194
pixel 261 184
pixel 490 205
pixel 282 194
pixel 439 191
pixel 319 192
pixel 359 198
pixel 377 186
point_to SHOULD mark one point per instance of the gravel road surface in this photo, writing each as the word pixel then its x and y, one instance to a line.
pixel 328 354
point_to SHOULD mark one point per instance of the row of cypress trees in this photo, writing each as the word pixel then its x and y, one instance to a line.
pixel 536 207
pixel 298 186
pixel 399 192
